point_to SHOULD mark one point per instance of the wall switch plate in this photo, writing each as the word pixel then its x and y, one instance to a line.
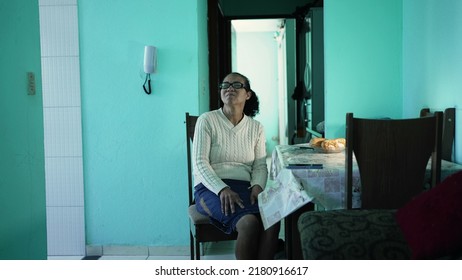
pixel 30 83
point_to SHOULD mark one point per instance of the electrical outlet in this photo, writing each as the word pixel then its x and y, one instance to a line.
pixel 30 83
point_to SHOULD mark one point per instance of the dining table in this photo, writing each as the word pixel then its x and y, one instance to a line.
pixel 325 186
pixel 320 177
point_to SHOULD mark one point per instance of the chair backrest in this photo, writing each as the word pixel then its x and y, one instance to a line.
pixel 449 131
pixel 190 126
pixel 392 156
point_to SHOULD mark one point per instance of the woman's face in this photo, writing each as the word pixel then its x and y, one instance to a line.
pixel 232 96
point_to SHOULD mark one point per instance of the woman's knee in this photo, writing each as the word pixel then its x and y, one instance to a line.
pixel 248 223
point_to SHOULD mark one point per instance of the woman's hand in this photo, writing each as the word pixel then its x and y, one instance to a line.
pixel 228 200
pixel 256 189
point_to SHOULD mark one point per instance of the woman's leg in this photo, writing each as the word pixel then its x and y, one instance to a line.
pixel 253 242
pixel 249 229
pixel 269 242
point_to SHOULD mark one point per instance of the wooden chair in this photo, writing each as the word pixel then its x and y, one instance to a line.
pixel 449 127
pixel 200 228
pixel 392 157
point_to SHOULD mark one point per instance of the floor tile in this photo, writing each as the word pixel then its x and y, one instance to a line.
pixel 52 258
pixel 219 257
pixel 123 258
pixel 165 258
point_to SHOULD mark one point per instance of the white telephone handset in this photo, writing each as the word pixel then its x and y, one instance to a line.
pixel 150 59
pixel 150 66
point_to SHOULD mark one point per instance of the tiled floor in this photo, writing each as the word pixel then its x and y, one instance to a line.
pixel 213 251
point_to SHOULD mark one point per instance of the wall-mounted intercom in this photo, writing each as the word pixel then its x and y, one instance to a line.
pixel 150 66
pixel 150 59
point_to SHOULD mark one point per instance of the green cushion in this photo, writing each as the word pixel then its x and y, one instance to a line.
pixel 352 234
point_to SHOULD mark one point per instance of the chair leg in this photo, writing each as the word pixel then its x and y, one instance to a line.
pixel 198 250
pixel 191 245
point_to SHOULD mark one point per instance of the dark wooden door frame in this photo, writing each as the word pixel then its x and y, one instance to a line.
pixel 219 37
pixel 219 44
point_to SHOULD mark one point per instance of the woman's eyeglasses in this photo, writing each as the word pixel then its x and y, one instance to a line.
pixel 235 85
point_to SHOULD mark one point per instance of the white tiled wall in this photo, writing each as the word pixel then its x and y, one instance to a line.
pixel 62 76
pixel 63 128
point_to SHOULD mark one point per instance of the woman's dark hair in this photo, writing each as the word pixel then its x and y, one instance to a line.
pixel 252 105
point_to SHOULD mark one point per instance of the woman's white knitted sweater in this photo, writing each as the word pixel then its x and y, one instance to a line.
pixel 224 151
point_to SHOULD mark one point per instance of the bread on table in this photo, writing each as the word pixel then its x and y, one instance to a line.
pixel 328 144
pixel 317 141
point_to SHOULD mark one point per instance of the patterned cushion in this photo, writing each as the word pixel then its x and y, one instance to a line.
pixel 352 234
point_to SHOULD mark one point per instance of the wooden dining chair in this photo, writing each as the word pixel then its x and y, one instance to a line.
pixel 200 228
pixel 449 131
pixel 392 157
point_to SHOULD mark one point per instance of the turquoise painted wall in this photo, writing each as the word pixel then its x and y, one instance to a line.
pixel 391 58
pixel 432 59
pixel 203 53
pixel 22 164
pixel 134 143
pixel 363 61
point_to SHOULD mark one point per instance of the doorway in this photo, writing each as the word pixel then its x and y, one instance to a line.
pixel 259 51
pixel 298 81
